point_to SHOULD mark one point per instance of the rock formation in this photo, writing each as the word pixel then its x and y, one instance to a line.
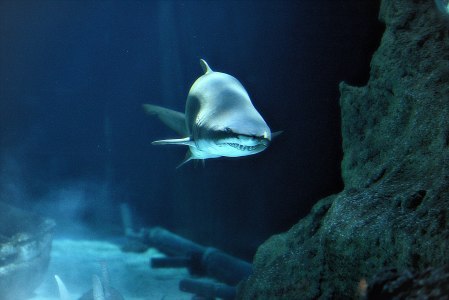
pixel 432 283
pixel 394 209
pixel 25 245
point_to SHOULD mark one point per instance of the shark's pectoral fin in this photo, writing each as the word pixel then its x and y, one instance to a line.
pixel 173 119
pixel 276 134
pixel 188 158
pixel 184 141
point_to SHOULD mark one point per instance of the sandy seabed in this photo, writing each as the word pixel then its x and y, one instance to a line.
pixel 76 261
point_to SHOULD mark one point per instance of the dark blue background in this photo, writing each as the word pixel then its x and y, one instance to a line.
pixel 74 141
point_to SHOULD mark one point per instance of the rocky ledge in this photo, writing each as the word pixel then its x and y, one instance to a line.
pixel 394 209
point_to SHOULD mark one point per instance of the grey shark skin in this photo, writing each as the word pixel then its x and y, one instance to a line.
pixel 219 120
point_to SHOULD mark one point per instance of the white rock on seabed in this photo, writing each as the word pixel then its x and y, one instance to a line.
pixel 76 261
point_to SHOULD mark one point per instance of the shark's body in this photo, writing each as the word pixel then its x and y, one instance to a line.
pixel 219 119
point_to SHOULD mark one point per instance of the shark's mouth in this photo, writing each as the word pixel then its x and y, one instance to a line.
pixel 243 147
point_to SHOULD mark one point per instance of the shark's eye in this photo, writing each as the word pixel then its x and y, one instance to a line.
pixel 228 130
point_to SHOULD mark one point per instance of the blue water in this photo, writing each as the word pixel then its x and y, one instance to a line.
pixel 75 142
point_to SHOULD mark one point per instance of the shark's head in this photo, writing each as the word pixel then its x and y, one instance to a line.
pixel 219 119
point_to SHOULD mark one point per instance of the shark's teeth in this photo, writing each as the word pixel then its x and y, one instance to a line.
pixel 242 147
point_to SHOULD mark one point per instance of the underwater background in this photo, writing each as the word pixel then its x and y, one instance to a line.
pixel 75 142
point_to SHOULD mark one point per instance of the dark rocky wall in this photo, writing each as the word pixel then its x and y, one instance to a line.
pixel 394 209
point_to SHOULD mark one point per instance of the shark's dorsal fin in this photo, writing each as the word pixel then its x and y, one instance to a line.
pixel 205 66
pixel 63 293
pixel 105 280
pixel 184 141
pixel 97 288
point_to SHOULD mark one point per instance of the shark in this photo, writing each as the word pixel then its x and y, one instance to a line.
pixel 219 119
